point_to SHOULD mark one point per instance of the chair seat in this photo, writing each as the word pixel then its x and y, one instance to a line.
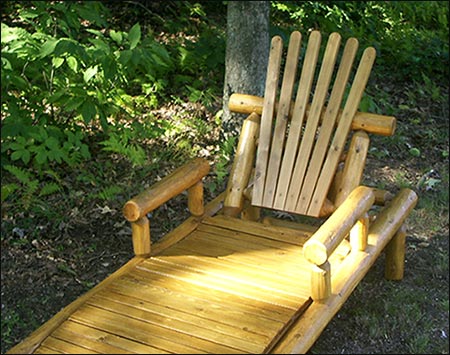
pixel 231 286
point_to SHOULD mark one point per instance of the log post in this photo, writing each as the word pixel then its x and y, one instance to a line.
pixel 242 166
pixel 162 191
pixel 140 231
pixel 195 199
pixel 321 281
pixel 395 255
pixel 359 233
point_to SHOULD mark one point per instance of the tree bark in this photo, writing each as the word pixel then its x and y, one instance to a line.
pixel 247 52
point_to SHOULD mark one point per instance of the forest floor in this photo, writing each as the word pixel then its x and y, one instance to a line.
pixel 46 265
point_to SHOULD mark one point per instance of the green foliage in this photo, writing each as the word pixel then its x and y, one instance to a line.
pixel 120 141
pixel 29 188
pixel 411 37
pixel 61 79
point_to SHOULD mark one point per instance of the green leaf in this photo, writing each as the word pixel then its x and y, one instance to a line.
pixel 21 154
pixel 74 102
pixel 49 189
pixel 48 47
pixel 100 45
pixel 8 190
pixel 95 32
pixel 57 62
pixel 52 143
pixel 116 36
pixel 72 63
pixel 6 64
pixel 41 156
pixel 88 111
pixel 125 57
pixel 20 174
pixel 134 36
pixel 109 68
pixel 415 152
pixel 89 73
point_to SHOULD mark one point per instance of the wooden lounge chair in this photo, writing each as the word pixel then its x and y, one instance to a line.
pixel 234 278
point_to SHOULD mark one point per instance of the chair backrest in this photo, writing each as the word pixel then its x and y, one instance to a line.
pixel 301 140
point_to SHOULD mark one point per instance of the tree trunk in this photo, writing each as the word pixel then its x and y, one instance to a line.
pixel 246 56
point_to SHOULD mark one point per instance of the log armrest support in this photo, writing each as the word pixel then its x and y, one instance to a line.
pixel 184 178
pixel 330 234
pixel 187 177
pixel 350 215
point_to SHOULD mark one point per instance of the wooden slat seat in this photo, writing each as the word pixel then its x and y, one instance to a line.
pixel 175 302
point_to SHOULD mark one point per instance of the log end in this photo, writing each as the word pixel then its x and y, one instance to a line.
pixel 131 211
pixel 315 252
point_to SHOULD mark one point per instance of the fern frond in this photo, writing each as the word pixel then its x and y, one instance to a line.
pixel 49 189
pixel 20 174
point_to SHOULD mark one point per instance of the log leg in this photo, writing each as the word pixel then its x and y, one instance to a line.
pixel 395 255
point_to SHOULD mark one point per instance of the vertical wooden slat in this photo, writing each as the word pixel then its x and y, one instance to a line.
pixel 301 101
pixel 320 93
pixel 354 166
pixel 328 124
pixel 287 87
pixel 273 72
pixel 337 146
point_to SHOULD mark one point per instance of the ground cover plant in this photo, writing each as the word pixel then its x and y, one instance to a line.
pixel 100 100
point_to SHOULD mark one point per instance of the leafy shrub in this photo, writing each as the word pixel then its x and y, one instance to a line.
pixel 410 36
pixel 66 74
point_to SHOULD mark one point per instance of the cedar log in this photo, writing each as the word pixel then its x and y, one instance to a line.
pixel 242 166
pixel 369 122
pixel 321 282
pixel 162 191
pixel 395 255
pixel 195 199
pixel 140 231
pixel 359 232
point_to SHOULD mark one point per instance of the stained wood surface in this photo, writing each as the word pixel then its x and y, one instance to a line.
pixel 370 122
pixel 297 158
pixel 270 95
pixel 230 286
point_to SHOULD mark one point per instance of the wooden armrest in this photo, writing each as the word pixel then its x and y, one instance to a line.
pixel 370 122
pixel 331 233
pixel 181 179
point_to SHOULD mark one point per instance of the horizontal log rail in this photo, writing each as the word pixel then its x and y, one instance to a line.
pixel 369 122
pixel 338 225
pixel 170 186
